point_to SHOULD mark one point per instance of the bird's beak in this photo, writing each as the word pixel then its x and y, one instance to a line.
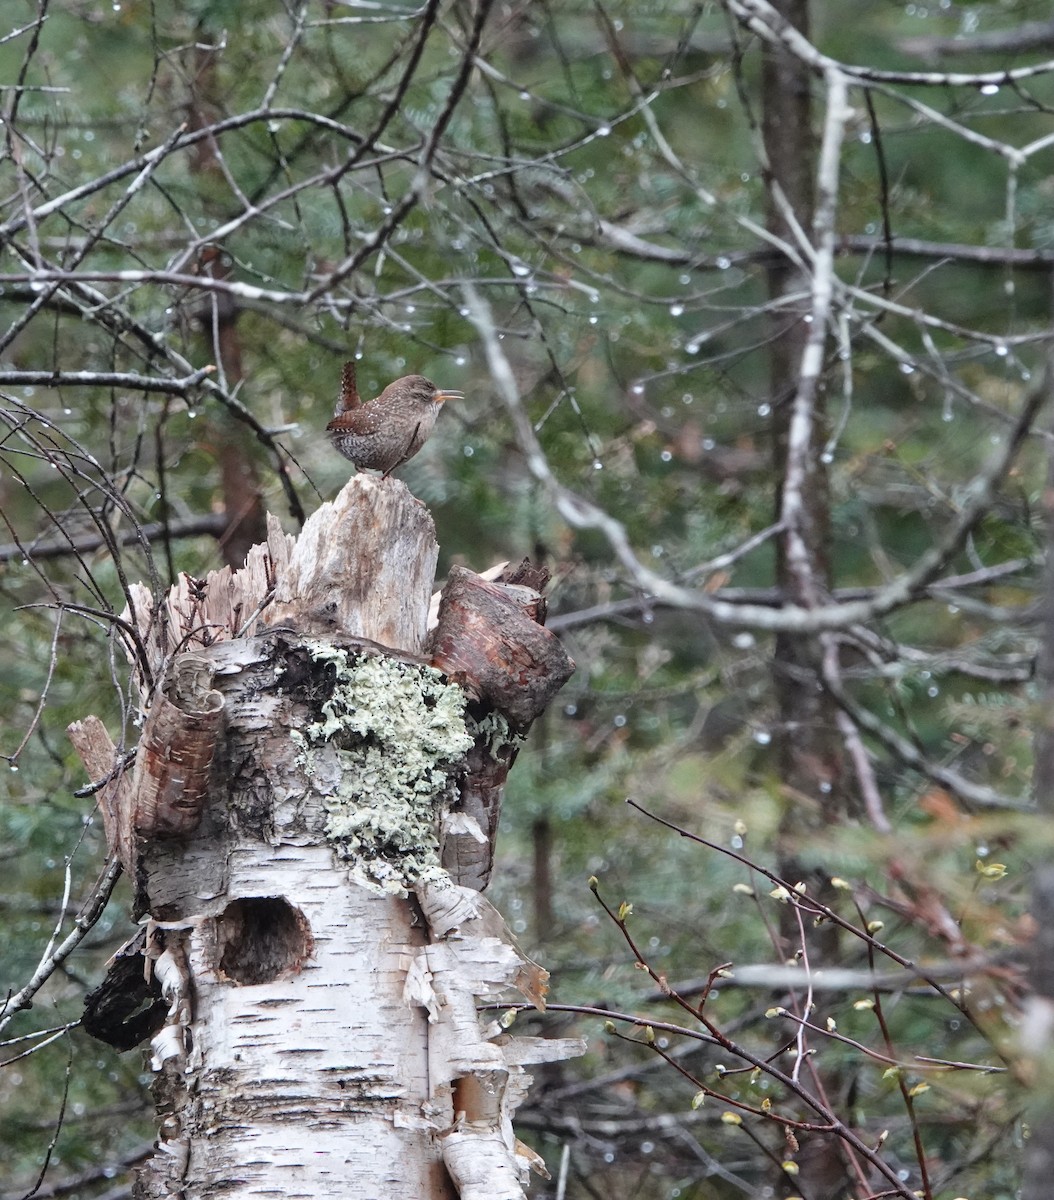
pixel 444 394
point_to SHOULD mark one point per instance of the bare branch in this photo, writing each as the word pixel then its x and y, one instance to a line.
pixel 583 514
pixel 209 525
pixel 760 17
pixel 102 379
pixel 1018 39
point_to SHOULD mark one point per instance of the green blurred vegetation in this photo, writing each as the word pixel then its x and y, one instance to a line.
pixel 646 376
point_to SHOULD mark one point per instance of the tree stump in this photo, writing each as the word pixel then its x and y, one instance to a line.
pixel 302 801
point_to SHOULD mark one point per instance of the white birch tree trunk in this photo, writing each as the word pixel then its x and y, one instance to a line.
pixel 319 967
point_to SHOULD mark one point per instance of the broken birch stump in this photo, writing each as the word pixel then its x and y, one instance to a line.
pixel 308 821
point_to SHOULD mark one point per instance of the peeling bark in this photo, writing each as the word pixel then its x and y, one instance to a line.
pixel 489 637
pixel 114 1012
pixel 315 968
pixel 166 792
pixel 175 753
pixel 478 1072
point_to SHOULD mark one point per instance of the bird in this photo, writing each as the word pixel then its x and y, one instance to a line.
pixel 383 433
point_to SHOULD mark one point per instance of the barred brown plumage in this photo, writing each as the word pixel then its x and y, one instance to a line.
pixel 383 433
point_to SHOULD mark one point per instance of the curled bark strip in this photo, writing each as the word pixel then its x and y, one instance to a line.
pixel 175 754
pixel 164 794
pixel 167 954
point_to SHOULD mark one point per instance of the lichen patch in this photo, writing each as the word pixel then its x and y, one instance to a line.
pixel 397 732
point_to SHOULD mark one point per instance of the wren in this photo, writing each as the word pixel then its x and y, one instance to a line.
pixel 383 433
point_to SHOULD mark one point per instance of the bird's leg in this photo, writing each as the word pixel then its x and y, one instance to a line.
pixel 407 453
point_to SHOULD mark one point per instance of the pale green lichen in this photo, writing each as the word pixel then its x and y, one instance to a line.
pixel 496 730
pixel 398 731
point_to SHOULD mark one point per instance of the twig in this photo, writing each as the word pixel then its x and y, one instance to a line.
pixel 90 912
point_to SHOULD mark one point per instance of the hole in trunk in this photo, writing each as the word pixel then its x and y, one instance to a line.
pixel 262 938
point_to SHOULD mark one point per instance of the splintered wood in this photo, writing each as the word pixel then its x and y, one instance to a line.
pixel 362 567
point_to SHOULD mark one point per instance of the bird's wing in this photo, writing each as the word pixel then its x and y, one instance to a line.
pixel 408 453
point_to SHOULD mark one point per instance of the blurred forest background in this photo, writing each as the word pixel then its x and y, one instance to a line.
pixel 751 304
